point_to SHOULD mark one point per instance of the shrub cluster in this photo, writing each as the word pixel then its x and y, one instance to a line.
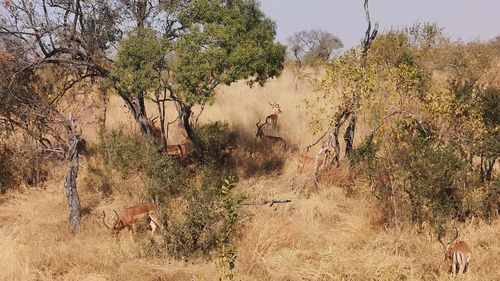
pixel 419 178
pixel 195 202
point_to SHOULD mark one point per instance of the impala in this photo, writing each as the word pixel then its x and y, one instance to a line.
pixel 130 216
pixel 269 139
pixel 180 150
pixel 459 253
pixel 272 120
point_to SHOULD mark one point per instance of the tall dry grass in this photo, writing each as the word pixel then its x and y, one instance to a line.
pixel 325 233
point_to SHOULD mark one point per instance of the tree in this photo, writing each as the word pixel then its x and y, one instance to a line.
pixel 31 109
pixel 138 73
pixel 309 49
pixel 225 41
pixel 352 75
pixel 313 46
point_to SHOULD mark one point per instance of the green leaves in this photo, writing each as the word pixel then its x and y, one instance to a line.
pixel 226 41
pixel 140 63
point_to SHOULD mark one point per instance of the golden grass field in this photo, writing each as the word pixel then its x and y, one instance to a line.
pixel 325 233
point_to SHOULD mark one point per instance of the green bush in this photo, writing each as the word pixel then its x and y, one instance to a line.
pixel 204 217
pixel 196 204
pixel 98 179
pixel 215 142
pixel 166 178
pixel 424 179
pixel 127 154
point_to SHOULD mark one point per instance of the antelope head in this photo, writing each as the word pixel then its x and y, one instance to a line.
pixel 277 108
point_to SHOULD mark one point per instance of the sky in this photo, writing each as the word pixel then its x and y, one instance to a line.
pixel 461 19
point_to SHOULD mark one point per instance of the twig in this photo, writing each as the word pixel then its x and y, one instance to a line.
pixel 265 202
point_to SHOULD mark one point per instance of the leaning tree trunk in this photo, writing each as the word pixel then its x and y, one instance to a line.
pixel 138 109
pixel 70 178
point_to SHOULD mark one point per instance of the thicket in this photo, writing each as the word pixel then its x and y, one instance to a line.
pixel 196 204
pixel 433 106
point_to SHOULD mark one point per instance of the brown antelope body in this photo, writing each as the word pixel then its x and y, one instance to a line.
pixel 272 120
pixel 269 139
pixel 459 253
pixel 130 216
pixel 180 150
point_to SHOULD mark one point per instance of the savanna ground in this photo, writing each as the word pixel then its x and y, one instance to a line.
pixel 329 232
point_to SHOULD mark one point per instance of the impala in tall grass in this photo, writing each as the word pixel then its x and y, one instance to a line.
pixel 131 216
pixel 272 120
pixel 459 253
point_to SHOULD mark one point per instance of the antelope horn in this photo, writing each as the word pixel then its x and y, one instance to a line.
pixel 440 236
pixel 456 235
pixel 117 219
pixel 104 220
pixel 276 104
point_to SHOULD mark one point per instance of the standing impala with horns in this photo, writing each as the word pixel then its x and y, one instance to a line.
pixel 130 216
pixel 272 120
pixel 459 253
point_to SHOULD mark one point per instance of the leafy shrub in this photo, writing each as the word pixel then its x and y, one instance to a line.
pixel 127 154
pixel 204 215
pixel 196 205
pixel 215 141
pixel 166 178
pixel 98 178
pixel 365 152
pixel 421 178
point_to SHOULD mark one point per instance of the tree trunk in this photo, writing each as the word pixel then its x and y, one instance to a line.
pixel 70 177
pixel 72 194
pixel 339 121
pixel 349 135
pixel 185 115
pixel 486 168
pixel 138 109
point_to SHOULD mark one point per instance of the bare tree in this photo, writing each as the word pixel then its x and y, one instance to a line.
pixel 348 111
pixel 308 47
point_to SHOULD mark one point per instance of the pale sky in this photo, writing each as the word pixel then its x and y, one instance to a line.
pixel 461 19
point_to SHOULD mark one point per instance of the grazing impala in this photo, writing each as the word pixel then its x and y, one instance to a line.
pixel 269 139
pixel 459 253
pixel 130 216
pixel 272 120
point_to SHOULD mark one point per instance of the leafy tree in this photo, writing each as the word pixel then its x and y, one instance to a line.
pixel 225 41
pixel 307 50
pixel 140 72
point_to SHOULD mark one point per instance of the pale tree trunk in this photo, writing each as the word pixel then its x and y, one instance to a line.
pixel 70 178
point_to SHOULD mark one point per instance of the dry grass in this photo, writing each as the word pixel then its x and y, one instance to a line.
pixel 325 233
